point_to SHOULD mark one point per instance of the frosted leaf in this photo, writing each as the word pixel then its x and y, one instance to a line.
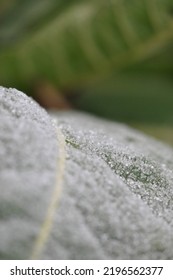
pixel 144 164
pixel 121 183
pixel 117 195
pixel 28 151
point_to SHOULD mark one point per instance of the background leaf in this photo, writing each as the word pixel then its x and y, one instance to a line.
pixel 83 42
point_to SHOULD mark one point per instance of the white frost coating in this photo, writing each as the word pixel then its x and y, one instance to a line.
pixel 118 196
pixel 28 156
pixel 117 199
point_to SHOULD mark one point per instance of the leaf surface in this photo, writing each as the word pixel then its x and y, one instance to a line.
pixel 116 189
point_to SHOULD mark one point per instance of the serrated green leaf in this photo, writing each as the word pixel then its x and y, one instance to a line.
pixel 86 41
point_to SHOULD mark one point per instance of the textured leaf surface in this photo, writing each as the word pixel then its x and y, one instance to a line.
pixel 85 40
pixel 117 196
pixel 27 139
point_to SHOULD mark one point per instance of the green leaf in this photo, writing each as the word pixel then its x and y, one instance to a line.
pixel 85 41
pixel 22 18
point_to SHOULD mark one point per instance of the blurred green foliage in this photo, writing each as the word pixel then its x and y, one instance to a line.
pixel 117 54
